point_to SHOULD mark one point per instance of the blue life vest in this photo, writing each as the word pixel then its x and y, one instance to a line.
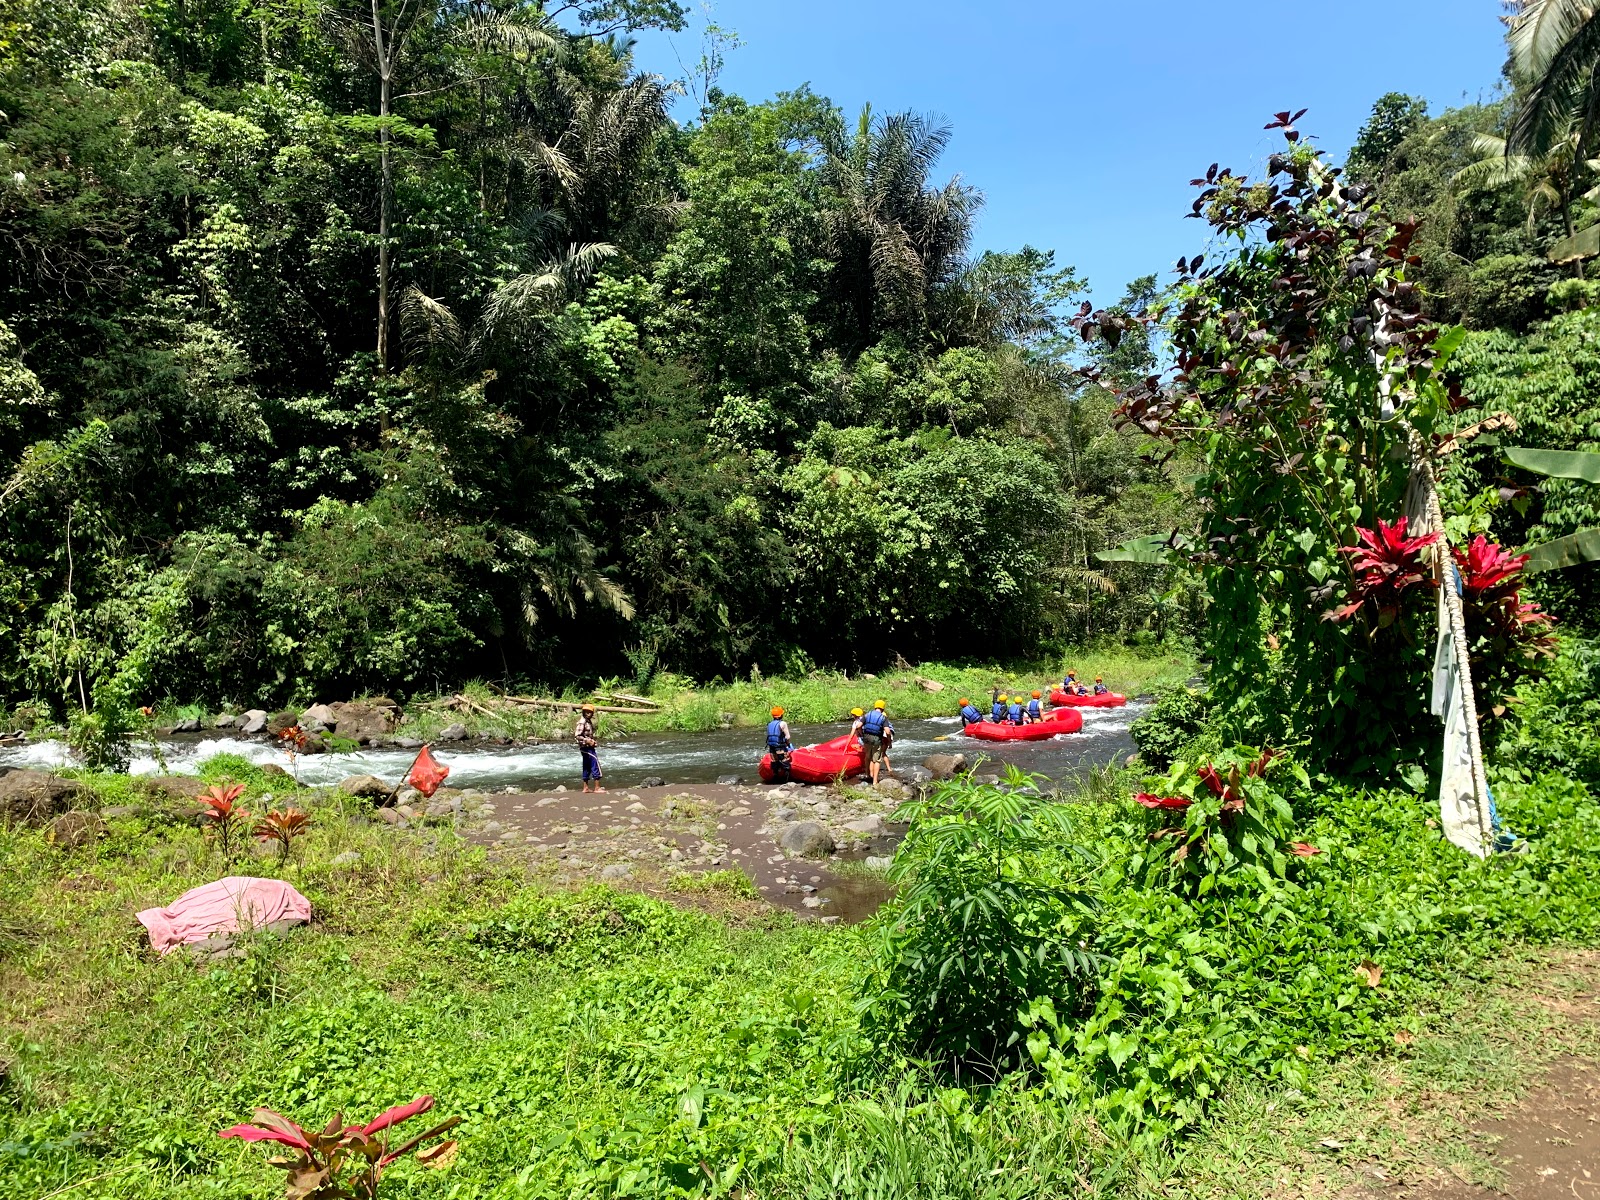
pixel 1034 710
pixel 775 738
pixel 873 723
pixel 1101 689
pixel 1015 712
pixel 999 711
pixel 970 715
pixel 1069 684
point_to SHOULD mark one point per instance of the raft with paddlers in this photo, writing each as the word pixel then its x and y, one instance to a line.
pixel 1103 700
pixel 1065 721
pixel 822 763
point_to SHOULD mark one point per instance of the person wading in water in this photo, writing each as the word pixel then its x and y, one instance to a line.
pixel 588 748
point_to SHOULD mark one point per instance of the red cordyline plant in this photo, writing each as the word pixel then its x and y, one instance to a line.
pixel 222 810
pixel 343 1162
pixel 1387 564
pixel 282 827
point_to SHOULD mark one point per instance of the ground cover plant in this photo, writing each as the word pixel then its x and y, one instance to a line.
pixel 607 1044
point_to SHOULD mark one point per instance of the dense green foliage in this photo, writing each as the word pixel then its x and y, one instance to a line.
pixel 321 374
pixel 605 1044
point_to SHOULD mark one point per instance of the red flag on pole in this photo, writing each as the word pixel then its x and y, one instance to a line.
pixel 427 773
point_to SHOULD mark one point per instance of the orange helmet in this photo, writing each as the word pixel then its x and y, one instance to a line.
pixel 777 710
pixel 1036 695
pixel 963 702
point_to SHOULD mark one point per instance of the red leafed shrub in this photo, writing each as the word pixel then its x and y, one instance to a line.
pixel 222 810
pixel 1387 564
pixel 1506 634
pixel 343 1162
pixel 282 827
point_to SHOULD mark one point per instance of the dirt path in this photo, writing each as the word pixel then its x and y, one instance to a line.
pixel 1548 1146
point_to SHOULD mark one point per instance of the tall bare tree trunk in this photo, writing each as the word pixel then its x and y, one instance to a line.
pixel 385 62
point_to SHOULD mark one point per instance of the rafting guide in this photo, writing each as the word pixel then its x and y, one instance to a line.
pixel 779 745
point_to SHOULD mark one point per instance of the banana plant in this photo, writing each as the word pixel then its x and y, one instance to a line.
pixel 1582 546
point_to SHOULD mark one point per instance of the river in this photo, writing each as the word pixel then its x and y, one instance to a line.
pixel 675 757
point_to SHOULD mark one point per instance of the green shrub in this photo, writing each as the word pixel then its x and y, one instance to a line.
pixel 994 909
pixel 1555 726
pixel 1162 733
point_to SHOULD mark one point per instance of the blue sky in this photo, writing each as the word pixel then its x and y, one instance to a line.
pixel 1083 123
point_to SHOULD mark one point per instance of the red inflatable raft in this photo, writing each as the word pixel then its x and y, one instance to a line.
pixel 1064 721
pixel 822 763
pixel 1108 700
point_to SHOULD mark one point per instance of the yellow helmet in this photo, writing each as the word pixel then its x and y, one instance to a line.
pixel 856 712
pixel 1003 697
pixel 877 704
pixel 1098 679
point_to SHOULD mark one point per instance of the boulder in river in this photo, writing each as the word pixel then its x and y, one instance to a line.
pixel 225 721
pixel 279 721
pixel 253 722
pixel 33 797
pixel 455 732
pixel 319 718
pixel 369 787
pixel 364 723
pixel 187 725
pixel 806 839
pixel 272 769
pixel 943 766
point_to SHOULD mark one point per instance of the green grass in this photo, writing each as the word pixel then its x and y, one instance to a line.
pixel 604 1043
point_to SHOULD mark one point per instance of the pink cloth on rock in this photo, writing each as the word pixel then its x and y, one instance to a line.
pixel 237 902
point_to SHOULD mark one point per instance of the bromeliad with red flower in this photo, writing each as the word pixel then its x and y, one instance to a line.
pixel 343 1162
pixel 1387 565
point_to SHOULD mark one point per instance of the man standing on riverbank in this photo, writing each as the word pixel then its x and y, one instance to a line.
pixel 588 747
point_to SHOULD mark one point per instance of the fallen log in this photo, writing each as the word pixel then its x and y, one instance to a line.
pixel 627 698
pixel 574 705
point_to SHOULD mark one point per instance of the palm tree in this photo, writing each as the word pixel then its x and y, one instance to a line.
pixel 894 236
pixel 1555 52
pixel 1549 179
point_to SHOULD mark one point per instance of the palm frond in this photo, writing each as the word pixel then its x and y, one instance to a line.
pixel 426 324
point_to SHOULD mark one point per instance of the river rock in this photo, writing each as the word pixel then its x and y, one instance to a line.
pixel 728 780
pixel 390 816
pixel 272 769
pixel 33 797
pixel 319 718
pixel 930 685
pixel 253 721
pixel 174 787
pixel 408 743
pixel 652 781
pixel 279 721
pixel 806 839
pixel 313 745
pixel 187 725
pixel 868 826
pixel 877 862
pixel 363 722
pixel 913 775
pixel 73 829
pixel 368 787
pixel 943 766
pixel 225 721
pixel 616 871
pixel 456 732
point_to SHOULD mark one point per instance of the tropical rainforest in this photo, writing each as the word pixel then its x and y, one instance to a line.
pixel 345 352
